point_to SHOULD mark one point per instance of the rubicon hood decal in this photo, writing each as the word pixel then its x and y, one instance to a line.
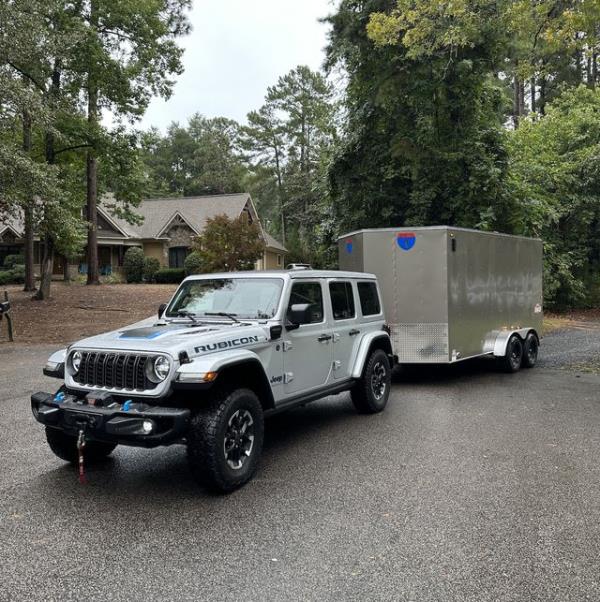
pixel 226 344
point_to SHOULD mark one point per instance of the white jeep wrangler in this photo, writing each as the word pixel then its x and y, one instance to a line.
pixel 228 350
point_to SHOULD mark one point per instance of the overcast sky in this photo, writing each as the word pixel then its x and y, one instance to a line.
pixel 236 50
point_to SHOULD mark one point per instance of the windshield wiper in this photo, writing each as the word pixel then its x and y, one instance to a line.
pixel 222 314
pixel 188 314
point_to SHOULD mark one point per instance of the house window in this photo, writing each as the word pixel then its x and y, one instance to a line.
pixel 177 256
pixel 279 262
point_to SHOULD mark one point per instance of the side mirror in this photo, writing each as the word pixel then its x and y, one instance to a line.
pixel 161 309
pixel 298 314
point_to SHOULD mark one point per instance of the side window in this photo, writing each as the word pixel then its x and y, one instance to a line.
pixel 308 292
pixel 342 300
pixel 369 299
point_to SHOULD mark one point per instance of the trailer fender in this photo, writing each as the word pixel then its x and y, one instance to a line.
pixel 378 339
pixel 503 337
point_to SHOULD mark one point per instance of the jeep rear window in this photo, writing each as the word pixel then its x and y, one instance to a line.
pixel 369 299
pixel 249 298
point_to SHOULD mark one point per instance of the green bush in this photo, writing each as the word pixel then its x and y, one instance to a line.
pixel 151 266
pixel 170 275
pixel 194 263
pixel 133 264
pixel 14 276
pixel 10 261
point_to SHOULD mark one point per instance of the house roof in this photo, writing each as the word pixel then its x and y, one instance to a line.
pixel 273 243
pixel 158 213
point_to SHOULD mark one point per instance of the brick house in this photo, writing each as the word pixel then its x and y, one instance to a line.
pixel 166 232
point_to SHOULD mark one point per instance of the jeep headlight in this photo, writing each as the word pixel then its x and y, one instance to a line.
pixel 76 358
pixel 160 367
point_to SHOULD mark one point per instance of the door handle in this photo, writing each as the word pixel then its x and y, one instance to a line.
pixel 324 337
pixel 354 332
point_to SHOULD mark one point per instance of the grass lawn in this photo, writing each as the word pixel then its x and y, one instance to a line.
pixel 76 310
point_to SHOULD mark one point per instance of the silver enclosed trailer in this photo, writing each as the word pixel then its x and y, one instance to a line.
pixel 451 293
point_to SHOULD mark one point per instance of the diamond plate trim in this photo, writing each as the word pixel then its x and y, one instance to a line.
pixel 420 343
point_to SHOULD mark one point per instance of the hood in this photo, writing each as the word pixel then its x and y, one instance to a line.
pixel 168 337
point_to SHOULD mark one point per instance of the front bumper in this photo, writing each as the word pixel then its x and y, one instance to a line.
pixel 115 422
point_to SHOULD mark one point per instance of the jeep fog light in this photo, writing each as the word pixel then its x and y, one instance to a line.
pixel 147 426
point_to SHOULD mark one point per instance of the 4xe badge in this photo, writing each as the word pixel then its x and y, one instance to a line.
pixel 406 240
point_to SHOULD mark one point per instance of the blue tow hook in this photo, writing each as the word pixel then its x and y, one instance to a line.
pixel 59 398
pixel 127 405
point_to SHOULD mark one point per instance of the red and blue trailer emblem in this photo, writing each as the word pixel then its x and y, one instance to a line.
pixel 349 245
pixel 406 240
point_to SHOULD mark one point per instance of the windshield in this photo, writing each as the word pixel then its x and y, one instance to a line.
pixel 250 298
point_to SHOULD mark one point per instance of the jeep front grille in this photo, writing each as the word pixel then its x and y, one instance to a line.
pixel 114 371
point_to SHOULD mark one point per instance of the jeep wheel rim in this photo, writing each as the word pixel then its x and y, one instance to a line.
pixel 239 439
pixel 378 380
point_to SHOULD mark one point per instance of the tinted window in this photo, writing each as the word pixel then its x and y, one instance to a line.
pixel 369 299
pixel 308 292
pixel 342 300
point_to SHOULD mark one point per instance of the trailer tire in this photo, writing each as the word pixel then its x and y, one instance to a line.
pixel 370 394
pixel 65 447
pixel 530 351
pixel 511 361
pixel 225 440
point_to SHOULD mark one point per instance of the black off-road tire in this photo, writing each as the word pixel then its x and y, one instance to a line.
pixel 209 436
pixel 530 351
pixel 65 447
pixel 511 362
pixel 370 394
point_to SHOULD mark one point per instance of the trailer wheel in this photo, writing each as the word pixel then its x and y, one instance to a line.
pixel 530 351
pixel 511 362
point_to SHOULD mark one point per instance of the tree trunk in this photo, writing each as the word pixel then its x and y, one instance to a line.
pixel 66 275
pixel 542 96
pixel 43 292
pixel 93 276
pixel 532 88
pixel 280 193
pixel 46 267
pixel 594 69
pixel 516 101
pixel 28 213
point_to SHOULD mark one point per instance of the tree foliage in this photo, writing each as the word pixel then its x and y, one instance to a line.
pixel 202 158
pixel 229 244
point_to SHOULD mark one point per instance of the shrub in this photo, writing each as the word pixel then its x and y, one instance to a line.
pixel 133 264
pixel 194 263
pixel 170 275
pixel 10 261
pixel 14 276
pixel 151 266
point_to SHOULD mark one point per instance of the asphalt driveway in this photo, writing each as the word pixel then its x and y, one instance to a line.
pixel 473 485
